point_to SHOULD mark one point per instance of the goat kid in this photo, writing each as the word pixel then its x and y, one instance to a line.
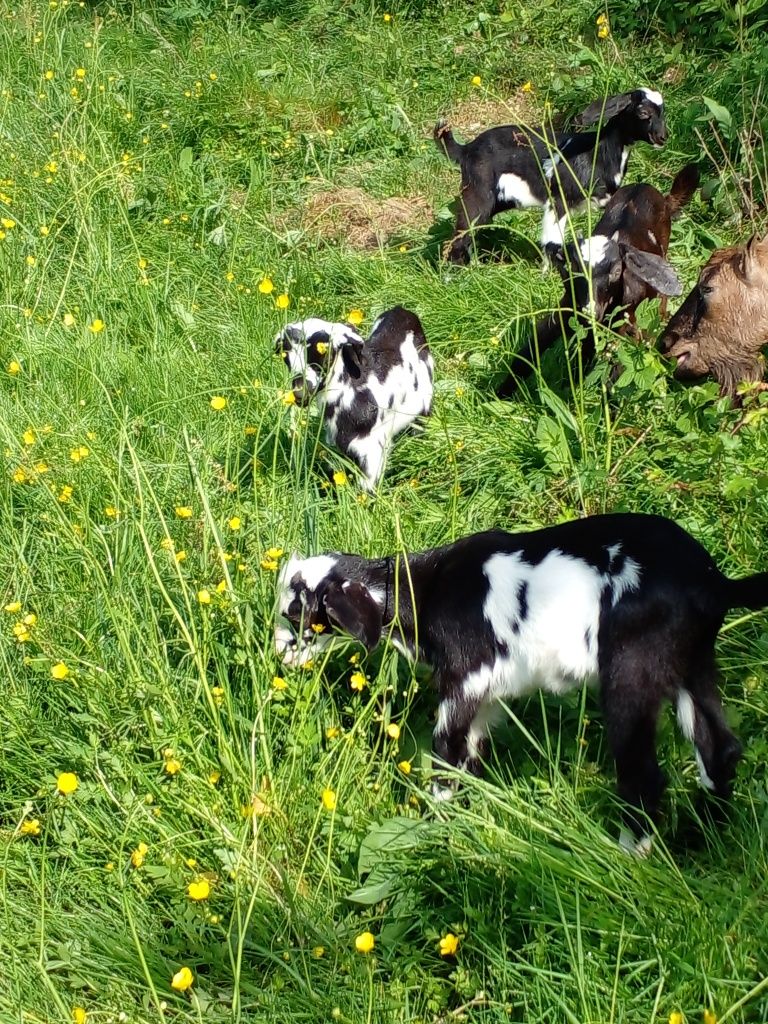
pixel 630 602
pixel 722 325
pixel 600 275
pixel 514 167
pixel 369 390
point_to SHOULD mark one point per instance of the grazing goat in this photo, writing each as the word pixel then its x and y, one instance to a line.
pixel 599 274
pixel 630 602
pixel 369 390
pixel 513 167
pixel 722 326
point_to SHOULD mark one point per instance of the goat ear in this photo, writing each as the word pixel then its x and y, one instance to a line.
pixel 352 354
pixel 351 607
pixel 652 269
pixel 755 252
pixel 604 110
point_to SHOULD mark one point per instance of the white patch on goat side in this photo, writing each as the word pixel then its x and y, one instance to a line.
pixel 619 176
pixel 552 229
pixel 627 579
pixel 653 97
pixel 686 714
pixel 706 782
pixel 404 394
pixel 511 188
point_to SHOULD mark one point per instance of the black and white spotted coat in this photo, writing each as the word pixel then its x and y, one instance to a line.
pixel 629 603
pixel 370 390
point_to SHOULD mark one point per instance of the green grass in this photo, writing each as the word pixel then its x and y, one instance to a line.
pixel 155 199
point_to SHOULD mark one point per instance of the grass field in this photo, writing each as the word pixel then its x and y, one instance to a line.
pixel 175 185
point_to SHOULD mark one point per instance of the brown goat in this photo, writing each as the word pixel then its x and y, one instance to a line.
pixel 641 217
pixel 722 326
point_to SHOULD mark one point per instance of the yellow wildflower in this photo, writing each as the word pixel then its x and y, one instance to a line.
pixel 183 511
pixel 358 681
pixel 69 320
pixel 387 18
pixel 527 87
pixel 404 767
pixel 287 397
pixel 204 596
pixel 13 607
pixel 30 827
pixel 275 552
pixel 67 783
pixel 449 944
pixel 283 301
pixel 328 796
pixel 172 765
pixel 709 1017
pixel 676 1017
pixel 45 230
pixel 340 478
pixel 218 402
pixel 180 556
pixel 14 367
pixel 80 73
pixel 59 670
pixel 139 855
pixel 476 80
pixel 29 436
pixel 393 731
pixel 235 523
pixel 278 683
pixel 79 1016
pixel 213 777
pixel 96 326
pixel 48 75
pixel 365 942
pixel 332 732
pixel 30 620
pixel 79 453
pixel 318 952
pixel 182 979
pixel 266 286
pixel 317 627
pixel 30 260
pixel 20 475
pixel 269 565
pixel 7 223
pixel 199 890
pixel 221 587
pixel 65 493
pixel 111 512
pixel 355 317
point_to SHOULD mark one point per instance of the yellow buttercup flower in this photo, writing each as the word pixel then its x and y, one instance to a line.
pixel 355 317
pixel 183 511
pixel 709 1017
pixel 269 564
pixel 275 552
pixel 449 944
pixel 14 367
pixel 287 397
pixel 266 287
pixel 204 596
pixel 68 320
pixel 283 301
pixel 218 402
pixel 182 979
pixel 340 478
pixel 79 1016
pixel 365 942
pixel 476 80
pixel 80 73
pixel 676 1017
pixel 527 87
pixel 235 523
pixel 358 681
pixel 393 731
pixel 96 326
pixel 79 453
pixel 48 75
pixel 13 607
pixel 60 670
pixel 30 827
pixel 139 855
pixel 328 796
pixel 199 890
pixel 332 732
pixel 404 767
pixel 67 783
pixel 29 436
pixel 278 683
pixel 172 766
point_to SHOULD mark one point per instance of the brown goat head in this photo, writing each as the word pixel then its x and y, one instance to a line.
pixel 723 324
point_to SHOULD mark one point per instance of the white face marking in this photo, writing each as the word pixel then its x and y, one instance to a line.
pixel 653 97
pixel 511 188
pixel 593 249
pixel 293 649
pixel 686 714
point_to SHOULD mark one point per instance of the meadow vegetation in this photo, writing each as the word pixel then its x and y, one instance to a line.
pixel 189 831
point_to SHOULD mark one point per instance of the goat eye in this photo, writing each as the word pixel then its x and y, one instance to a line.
pixel 706 289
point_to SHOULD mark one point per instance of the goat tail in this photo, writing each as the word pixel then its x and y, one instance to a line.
pixel 445 141
pixel 685 184
pixel 750 592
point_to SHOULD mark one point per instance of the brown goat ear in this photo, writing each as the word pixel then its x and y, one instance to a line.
pixel 653 270
pixel 351 607
pixel 755 252
pixel 603 110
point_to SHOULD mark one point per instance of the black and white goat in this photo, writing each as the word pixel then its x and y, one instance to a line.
pixel 369 390
pixel 514 167
pixel 630 602
pixel 600 275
